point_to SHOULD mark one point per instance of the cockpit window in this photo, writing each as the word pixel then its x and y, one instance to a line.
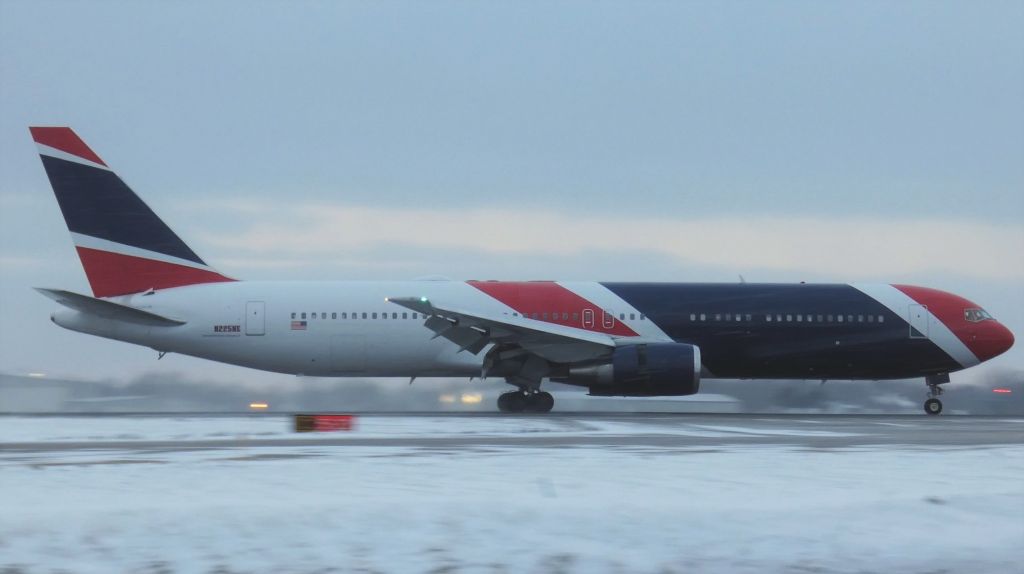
pixel 976 315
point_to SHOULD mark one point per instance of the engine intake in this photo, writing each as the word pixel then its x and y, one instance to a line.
pixel 656 369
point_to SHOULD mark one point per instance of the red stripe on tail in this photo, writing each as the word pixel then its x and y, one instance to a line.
pixel 65 140
pixel 112 274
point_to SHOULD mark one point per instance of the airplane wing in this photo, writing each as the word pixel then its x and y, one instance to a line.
pixel 473 331
pixel 107 309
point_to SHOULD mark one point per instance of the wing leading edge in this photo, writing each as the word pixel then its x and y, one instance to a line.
pixel 474 331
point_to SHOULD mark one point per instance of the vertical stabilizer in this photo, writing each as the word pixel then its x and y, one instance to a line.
pixel 124 247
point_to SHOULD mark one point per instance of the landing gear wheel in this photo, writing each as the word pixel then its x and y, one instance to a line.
pixel 541 402
pixel 933 406
pixel 513 402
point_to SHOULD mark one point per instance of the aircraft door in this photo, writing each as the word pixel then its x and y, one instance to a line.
pixel 588 318
pixel 255 321
pixel 608 319
pixel 919 319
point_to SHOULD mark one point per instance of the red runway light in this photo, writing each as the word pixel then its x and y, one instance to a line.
pixel 1003 391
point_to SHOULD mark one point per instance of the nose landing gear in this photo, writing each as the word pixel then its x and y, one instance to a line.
pixel 933 405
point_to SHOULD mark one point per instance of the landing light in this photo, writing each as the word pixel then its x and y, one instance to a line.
pixel 1002 390
pixel 471 398
pixel 37 375
pixel 447 399
pixel 423 299
pixel 258 406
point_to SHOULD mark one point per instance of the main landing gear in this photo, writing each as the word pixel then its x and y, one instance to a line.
pixel 526 402
pixel 933 405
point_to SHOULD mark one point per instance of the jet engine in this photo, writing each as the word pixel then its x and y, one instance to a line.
pixel 649 370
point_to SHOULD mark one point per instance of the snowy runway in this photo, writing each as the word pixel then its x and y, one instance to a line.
pixel 572 493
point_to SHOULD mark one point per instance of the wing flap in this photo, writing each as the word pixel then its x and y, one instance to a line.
pixel 473 331
pixel 107 309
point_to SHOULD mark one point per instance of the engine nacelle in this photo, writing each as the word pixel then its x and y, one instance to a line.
pixel 650 370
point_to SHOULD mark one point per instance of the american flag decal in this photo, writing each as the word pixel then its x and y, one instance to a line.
pixel 298 325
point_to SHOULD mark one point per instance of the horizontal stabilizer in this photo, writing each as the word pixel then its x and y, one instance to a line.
pixel 108 309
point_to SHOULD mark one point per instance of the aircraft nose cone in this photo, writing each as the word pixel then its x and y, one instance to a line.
pixel 995 341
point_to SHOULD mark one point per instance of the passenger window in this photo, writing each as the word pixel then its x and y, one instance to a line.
pixel 778 317
pixel 293 315
pixel 642 316
pixel 829 318
pixel 575 317
pixel 881 318
pixel 849 318
pixel 414 315
pixel 394 315
pixel 739 317
pixel 789 318
pixel 693 317
pixel 622 316
pixel 799 318
pixel 820 318
pixel 364 315
pixel 749 318
pixel 334 315
pixel 718 316
pixel 303 315
pixel 535 315
pixel 374 316
pixel 545 316
pixel 860 318
pixel 768 318
pixel 871 318
pixel 405 315
pixel 632 316
pixel 703 317
pixel 839 318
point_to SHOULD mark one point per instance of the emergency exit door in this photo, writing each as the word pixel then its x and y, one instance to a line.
pixel 255 322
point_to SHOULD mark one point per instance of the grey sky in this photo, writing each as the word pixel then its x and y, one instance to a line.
pixel 897 126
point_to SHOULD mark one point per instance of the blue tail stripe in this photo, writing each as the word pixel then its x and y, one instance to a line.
pixel 97 203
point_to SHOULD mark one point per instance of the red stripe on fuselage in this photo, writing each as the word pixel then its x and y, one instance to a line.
pixel 112 274
pixel 65 140
pixel 551 299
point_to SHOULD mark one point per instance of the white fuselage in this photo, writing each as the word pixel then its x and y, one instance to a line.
pixel 345 333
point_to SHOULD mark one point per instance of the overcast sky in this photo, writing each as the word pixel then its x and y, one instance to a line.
pixel 784 141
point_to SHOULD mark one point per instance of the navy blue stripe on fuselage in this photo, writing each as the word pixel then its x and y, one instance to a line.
pixel 97 203
pixel 752 346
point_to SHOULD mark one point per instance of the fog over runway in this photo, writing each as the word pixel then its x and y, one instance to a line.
pixel 570 492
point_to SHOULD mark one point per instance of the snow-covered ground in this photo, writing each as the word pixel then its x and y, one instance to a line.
pixel 331 508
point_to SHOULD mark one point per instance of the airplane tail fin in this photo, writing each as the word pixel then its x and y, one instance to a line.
pixel 124 247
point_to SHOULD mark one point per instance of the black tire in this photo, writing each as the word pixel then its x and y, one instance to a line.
pixel 517 402
pixel 542 402
pixel 514 402
pixel 933 406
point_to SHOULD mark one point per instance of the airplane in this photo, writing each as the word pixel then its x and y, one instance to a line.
pixel 616 339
